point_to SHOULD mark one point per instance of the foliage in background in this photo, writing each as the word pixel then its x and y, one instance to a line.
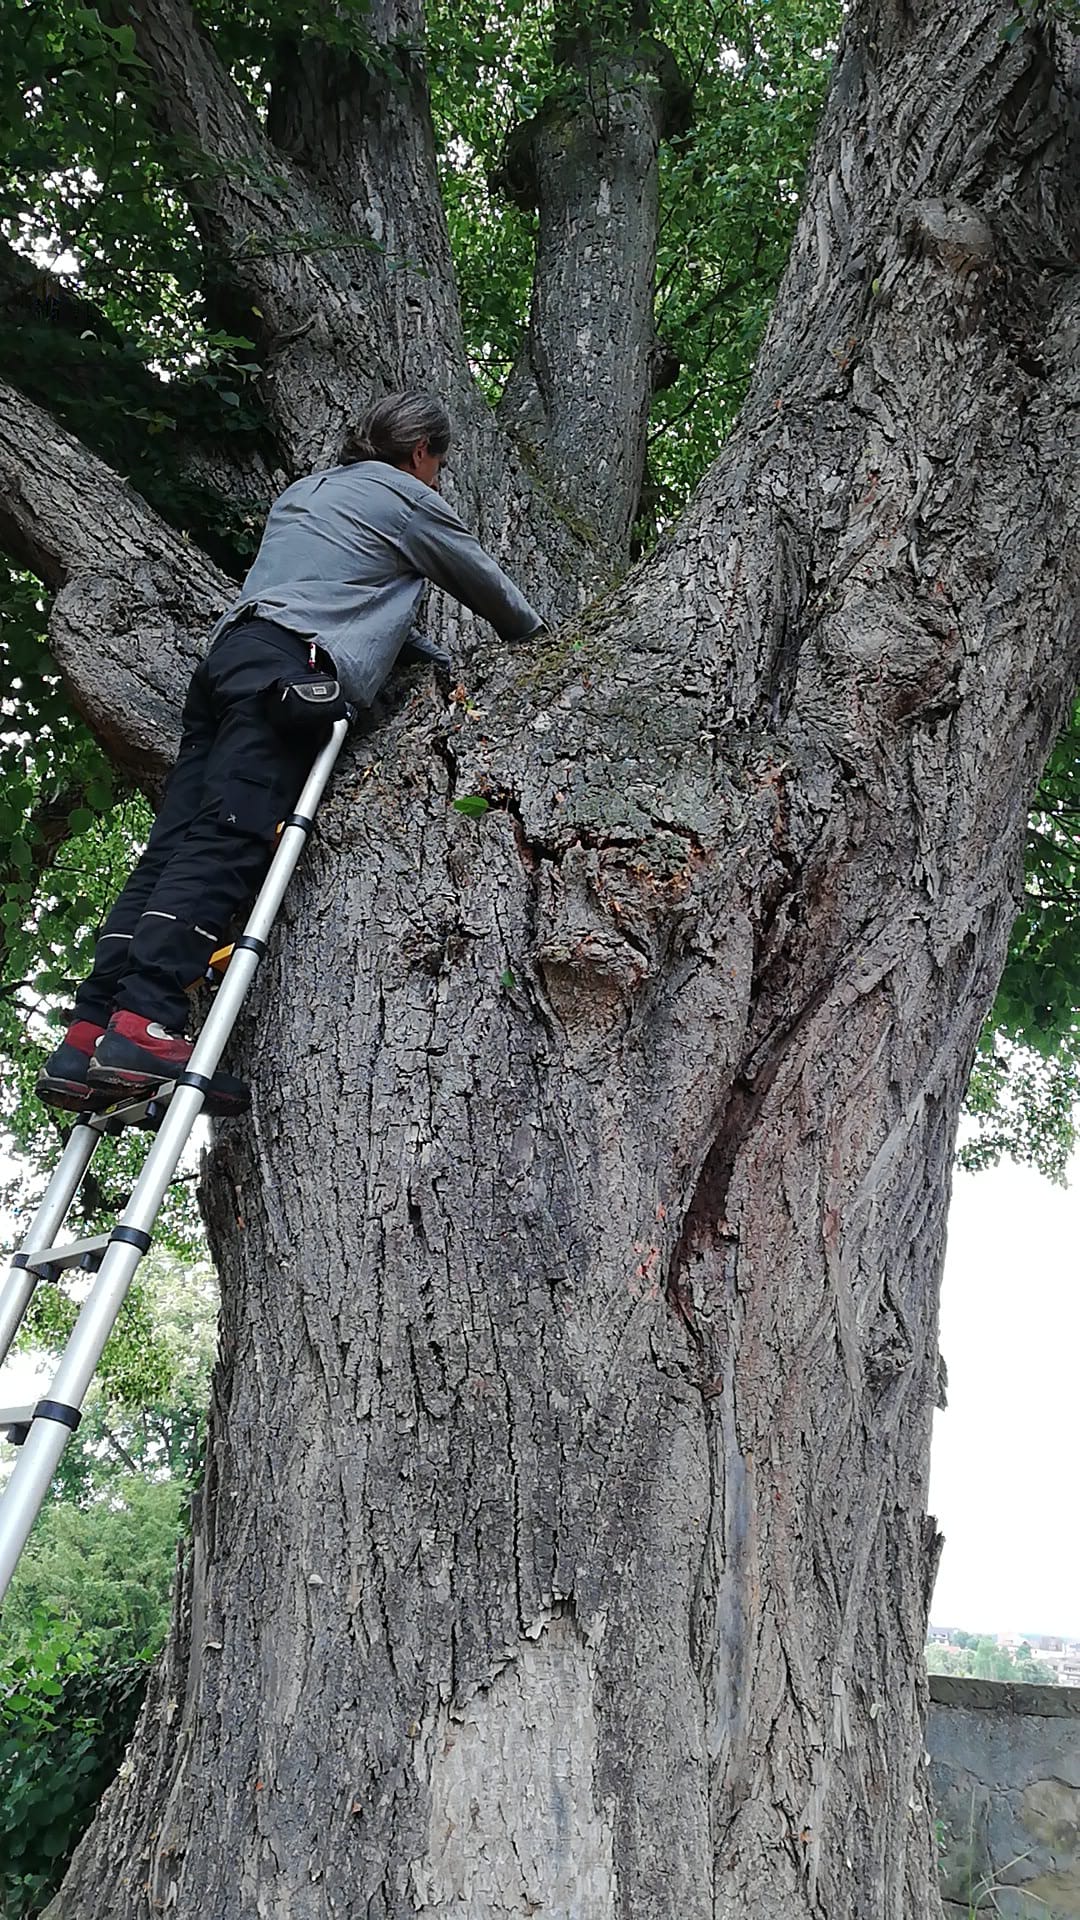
pixel 100 1558
pixel 131 343
pixel 88 1607
pixel 89 1604
pixel 104 1572
pixel 65 1721
pixel 978 1657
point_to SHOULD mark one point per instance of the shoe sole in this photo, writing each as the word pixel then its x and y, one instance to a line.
pixel 133 1079
pixel 113 1083
pixel 73 1096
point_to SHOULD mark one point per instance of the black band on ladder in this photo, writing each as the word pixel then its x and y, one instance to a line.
pixel 298 820
pixel 132 1237
pixel 247 943
pixel 57 1410
pixel 200 1081
pixel 20 1260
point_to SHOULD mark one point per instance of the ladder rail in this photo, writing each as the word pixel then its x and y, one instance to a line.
pixel 20 1284
pixel 58 1414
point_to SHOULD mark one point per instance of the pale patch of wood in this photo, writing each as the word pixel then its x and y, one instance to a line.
pixel 515 1824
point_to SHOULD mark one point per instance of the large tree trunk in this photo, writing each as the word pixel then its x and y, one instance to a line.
pixel 563 1546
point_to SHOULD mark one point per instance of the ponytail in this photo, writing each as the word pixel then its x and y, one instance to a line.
pixel 392 427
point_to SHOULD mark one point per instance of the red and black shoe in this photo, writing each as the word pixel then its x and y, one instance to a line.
pixel 133 1056
pixel 63 1080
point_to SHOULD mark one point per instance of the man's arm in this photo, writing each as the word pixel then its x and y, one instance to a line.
pixel 440 546
pixel 421 650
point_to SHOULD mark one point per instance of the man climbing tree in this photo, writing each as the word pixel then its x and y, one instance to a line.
pixel 333 590
pixel 563 1543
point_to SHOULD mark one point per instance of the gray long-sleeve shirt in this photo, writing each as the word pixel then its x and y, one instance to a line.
pixel 343 561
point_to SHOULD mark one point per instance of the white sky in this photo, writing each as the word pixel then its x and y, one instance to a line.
pixel 1004 1480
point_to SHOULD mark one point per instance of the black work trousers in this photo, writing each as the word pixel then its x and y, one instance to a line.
pixel 236 776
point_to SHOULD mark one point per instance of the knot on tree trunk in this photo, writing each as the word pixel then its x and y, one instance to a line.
pixel 901 662
pixel 954 235
pixel 595 951
pixel 600 100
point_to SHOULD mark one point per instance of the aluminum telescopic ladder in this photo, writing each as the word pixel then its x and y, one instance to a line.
pixel 42 1429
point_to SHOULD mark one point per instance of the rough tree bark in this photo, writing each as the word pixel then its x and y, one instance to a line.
pixel 563 1545
pixel 589 163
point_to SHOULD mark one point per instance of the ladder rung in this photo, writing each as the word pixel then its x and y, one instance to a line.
pixel 49 1261
pixel 129 1113
pixel 15 1422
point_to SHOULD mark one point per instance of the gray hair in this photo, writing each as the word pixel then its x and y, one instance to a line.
pixel 392 427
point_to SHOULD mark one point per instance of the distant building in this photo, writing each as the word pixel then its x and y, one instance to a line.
pixel 1058 1653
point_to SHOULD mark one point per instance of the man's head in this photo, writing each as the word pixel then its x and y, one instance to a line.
pixel 407 430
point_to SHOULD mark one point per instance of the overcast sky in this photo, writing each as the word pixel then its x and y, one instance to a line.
pixel 1005 1472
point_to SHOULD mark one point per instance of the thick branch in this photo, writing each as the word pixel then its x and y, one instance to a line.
pixel 359 124
pixel 578 400
pixel 939 211
pixel 291 251
pixel 134 598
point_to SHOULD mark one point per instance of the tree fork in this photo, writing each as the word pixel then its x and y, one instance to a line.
pixel 340 321
pixel 272 232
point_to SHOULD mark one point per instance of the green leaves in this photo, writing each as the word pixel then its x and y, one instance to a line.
pixel 104 1569
pixel 64 1725
pixel 472 805
pixel 730 191
pixel 89 1603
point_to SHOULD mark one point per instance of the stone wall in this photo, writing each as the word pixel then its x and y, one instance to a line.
pixel 1005 1766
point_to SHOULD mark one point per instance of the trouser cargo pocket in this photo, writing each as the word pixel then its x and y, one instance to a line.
pixel 250 804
